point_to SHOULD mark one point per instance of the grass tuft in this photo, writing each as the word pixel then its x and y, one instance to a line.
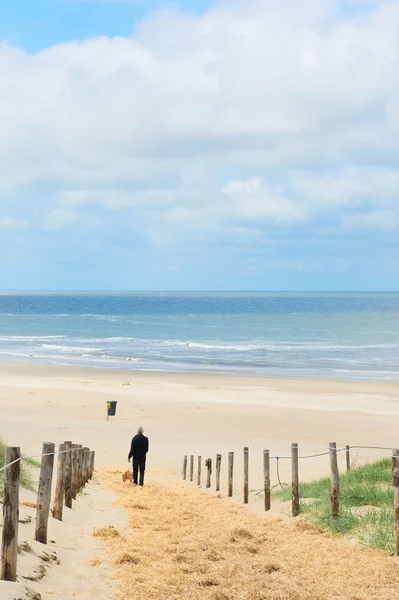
pixel 27 465
pixel 366 504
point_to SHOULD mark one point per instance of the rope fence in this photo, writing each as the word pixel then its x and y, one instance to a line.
pixel 74 469
pixel 295 459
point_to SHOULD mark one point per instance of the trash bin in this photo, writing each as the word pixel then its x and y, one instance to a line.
pixel 112 407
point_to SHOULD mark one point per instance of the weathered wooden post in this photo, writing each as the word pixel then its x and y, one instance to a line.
pixel 60 486
pixel 199 470
pixel 395 483
pixel 75 483
pixel 348 458
pixel 185 468
pixel 209 472
pixel 334 496
pixel 68 474
pixel 191 468
pixel 295 480
pixel 80 468
pixel 218 469
pixel 266 478
pixel 92 459
pixel 246 464
pixel 44 492
pixel 86 465
pixel 9 542
pixel 230 475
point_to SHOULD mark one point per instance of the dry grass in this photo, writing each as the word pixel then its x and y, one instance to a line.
pixel 28 504
pixel 106 532
pixel 190 545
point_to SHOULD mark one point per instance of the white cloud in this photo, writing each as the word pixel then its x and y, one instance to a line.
pixel 383 219
pixel 257 113
pixel 11 223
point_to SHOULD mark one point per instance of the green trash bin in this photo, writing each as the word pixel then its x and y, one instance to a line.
pixel 112 407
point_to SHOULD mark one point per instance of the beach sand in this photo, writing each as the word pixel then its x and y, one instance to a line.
pixel 184 414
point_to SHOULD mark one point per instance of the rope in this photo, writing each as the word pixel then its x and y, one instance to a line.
pixel 30 457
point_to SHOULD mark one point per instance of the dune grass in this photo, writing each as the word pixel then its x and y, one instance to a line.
pixel 184 544
pixel 366 504
pixel 26 477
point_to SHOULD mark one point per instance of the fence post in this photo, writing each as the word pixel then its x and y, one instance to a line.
pixel 185 468
pixel 68 474
pixel 9 542
pixel 334 496
pixel 395 483
pixel 44 492
pixel 246 463
pixel 209 472
pixel 199 470
pixel 92 459
pixel 191 468
pixel 295 480
pixel 86 465
pixel 75 483
pixel 60 486
pixel 266 477
pixel 218 469
pixel 230 475
pixel 80 468
pixel 348 458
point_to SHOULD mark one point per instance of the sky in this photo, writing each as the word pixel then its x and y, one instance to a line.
pixel 199 145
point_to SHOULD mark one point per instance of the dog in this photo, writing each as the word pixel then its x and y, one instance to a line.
pixel 127 476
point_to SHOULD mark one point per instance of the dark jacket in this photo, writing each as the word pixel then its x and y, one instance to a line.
pixel 139 446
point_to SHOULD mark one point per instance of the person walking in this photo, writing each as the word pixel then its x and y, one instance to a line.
pixel 138 451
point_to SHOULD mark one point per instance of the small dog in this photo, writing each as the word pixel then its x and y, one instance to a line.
pixel 127 476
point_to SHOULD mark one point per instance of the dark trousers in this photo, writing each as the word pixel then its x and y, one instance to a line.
pixel 138 463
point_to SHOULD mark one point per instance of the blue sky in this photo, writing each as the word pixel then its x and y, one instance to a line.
pixel 199 145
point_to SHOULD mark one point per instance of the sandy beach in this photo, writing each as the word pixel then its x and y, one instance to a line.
pixel 182 414
pixel 193 414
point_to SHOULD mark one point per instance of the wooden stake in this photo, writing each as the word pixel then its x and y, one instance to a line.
pixel 80 468
pixel 266 477
pixel 209 472
pixel 75 483
pixel 68 474
pixel 185 468
pixel 60 486
pixel 9 543
pixel 348 458
pixel 92 459
pixel 44 492
pixel 218 469
pixel 334 496
pixel 246 463
pixel 199 470
pixel 230 475
pixel 86 466
pixel 395 483
pixel 295 480
pixel 191 468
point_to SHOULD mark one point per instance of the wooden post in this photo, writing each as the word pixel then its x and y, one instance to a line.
pixel 295 480
pixel 86 465
pixel 9 543
pixel 348 458
pixel 218 469
pixel 80 468
pixel 266 478
pixel 199 470
pixel 191 468
pixel 395 483
pixel 75 484
pixel 44 492
pixel 230 475
pixel 92 459
pixel 60 486
pixel 334 496
pixel 209 472
pixel 68 474
pixel 246 463
pixel 185 468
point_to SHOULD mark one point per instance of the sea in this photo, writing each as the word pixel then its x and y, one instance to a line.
pixel 331 335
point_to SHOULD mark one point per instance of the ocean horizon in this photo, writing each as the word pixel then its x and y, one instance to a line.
pixel 345 335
